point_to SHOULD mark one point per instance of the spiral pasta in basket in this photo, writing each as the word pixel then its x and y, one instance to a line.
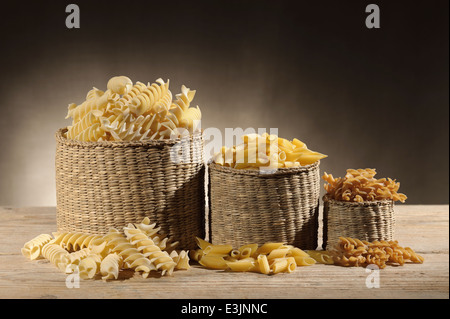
pixel 133 112
pixel 360 185
pixel 266 151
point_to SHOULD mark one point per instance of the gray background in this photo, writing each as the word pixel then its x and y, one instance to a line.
pixel 367 98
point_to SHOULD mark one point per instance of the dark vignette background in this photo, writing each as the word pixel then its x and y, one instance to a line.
pixel 367 98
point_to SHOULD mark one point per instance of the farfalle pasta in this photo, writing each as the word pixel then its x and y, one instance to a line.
pixel 133 112
pixel 266 151
pixel 360 185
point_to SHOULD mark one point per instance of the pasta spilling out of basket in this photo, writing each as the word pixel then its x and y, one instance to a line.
pixel 266 150
pixel 139 247
pixel 273 258
pixel 352 252
pixel 133 112
pixel 360 185
pixel 269 258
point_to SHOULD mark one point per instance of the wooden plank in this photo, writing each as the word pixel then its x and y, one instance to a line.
pixel 424 228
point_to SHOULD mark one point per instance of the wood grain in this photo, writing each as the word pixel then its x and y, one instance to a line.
pixel 424 228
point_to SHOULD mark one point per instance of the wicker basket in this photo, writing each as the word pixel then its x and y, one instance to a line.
pixel 249 207
pixel 370 220
pixel 100 185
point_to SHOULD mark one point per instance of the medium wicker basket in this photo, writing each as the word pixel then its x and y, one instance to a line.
pixel 369 220
pixel 249 207
pixel 100 185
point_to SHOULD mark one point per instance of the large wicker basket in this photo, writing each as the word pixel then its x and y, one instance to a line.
pixel 249 207
pixel 100 185
pixel 369 220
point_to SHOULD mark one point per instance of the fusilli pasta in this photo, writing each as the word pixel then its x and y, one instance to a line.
pixel 32 249
pixel 57 255
pixel 140 247
pixel 361 185
pixel 110 266
pixel 352 252
pixel 74 241
pixel 127 112
pixel 149 249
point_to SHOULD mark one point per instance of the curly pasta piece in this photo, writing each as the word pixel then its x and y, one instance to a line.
pixel 89 266
pixel 131 256
pixel 96 102
pixel 110 266
pixel 87 121
pixel 57 255
pixel 120 84
pixel 128 127
pixel 181 259
pixel 149 249
pixel 74 241
pixel 176 122
pixel 93 133
pixel 75 259
pixel 93 94
pixel 163 242
pixel 143 98
pixel 32 249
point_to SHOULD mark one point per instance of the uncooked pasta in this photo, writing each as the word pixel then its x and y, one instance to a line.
pixel 266 151
pixel 360 185
pixel 352 252
pixel 140 247
pixel 269 258
pixel 133 112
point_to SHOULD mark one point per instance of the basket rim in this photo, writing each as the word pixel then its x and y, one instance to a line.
pixel 147 143
pixel 257 172
pixel 379 202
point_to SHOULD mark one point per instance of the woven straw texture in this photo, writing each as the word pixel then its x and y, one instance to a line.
pixel 374 220
pixel 249 207
pixel 100 185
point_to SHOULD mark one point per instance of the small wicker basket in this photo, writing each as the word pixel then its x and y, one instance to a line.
pixel 248 207
pixel 100 185
pixel 369 220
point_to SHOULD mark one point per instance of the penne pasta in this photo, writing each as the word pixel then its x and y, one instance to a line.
pixel 267 248
pixel 217 250
pixel 266 151
pixel 213 262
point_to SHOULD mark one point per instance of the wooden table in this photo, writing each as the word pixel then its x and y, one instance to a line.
pixel 424 228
